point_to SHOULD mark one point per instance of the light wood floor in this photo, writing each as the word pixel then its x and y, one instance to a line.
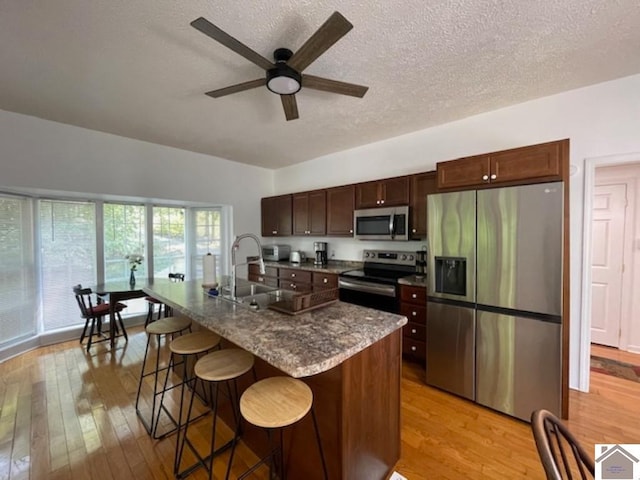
pixel 615 354
pixel 66 414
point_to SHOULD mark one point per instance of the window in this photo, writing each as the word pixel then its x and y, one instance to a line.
pixel 207 238
pixel 124 234
pixel 169 248
pixel 49 245
pixel 18 304
pixel 68 258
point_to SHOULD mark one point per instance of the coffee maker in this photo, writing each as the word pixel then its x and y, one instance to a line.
pixel 321 253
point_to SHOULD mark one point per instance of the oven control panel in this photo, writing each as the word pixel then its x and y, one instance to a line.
pixel 391 257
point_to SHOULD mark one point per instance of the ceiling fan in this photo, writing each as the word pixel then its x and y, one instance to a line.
pixel 285 77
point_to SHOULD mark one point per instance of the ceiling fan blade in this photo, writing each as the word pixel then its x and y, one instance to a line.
pixel 209 29
pixel 329 33
pixel 239 87
pixel 334 86
pixel 290 106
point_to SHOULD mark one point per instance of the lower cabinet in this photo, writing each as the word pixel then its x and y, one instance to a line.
pixel 269 278
pixel 413 305
pixel 295 279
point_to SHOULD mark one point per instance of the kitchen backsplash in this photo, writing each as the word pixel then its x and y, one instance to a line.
pixel 344 248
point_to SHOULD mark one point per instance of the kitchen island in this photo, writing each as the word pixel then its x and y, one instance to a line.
pixel 349 355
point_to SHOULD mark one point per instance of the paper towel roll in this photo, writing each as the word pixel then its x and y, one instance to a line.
pixel 209 271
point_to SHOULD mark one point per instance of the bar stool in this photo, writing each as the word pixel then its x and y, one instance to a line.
pixel 275 403
pixel 214 368
pixel 186 346
pixel 169 326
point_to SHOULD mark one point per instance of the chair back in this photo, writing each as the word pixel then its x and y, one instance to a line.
pixel 83 297
pixel 561 454
pixel 176 277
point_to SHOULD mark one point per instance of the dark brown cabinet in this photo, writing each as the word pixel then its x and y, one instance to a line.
pixel 310 213
pixel 413 305
pixel 389 192
pixel 536 163
pixel 340 206
pixel 270 276
pixel 421 185
pixel 276 216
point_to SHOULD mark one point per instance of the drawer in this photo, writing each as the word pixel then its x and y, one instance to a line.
pixel 414 348
pixel 295 286
pixel 329 280
pixel 295 275
pixel 416 295
pixel 415 331
pixel 414 313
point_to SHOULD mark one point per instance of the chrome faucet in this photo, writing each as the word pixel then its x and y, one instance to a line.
pixel 234 248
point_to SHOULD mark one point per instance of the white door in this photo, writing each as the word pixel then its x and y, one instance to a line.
pixel 609 205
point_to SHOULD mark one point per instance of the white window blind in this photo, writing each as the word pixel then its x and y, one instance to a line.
pixel 18 296
pixel 68 258
pixel 124 234
pixel 207 238
pixel 169 248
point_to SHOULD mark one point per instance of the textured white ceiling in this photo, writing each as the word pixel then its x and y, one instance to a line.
pixel 138 69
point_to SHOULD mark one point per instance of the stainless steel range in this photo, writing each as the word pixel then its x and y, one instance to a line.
pixel 376 284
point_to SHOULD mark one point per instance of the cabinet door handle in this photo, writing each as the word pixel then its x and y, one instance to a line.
pixel 293 275
pixel 273 232
pixel 414 314
pixel 413 330
pixel 377 202
pixel 485 177
pixel 293 285
pixel 413 348
pixel 350 230
pixel 493 176
pixel 381 202
pixel 413 295
pixel 325 280
pixel 413 230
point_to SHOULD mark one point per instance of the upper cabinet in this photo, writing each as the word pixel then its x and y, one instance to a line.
pixel 389 192
pixel 422 185
pixel 536 163
pixel 276 216
pixel 340 206
pixel 310 213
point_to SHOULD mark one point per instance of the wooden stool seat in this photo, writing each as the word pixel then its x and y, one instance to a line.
pixel 196 342
pixel 168 325
pixel 276 402
pixel 223 365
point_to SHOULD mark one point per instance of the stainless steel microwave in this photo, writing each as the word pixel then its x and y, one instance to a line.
pixel 275 253
pixel 391 223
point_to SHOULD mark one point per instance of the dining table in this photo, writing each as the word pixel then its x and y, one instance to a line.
pixel 119 290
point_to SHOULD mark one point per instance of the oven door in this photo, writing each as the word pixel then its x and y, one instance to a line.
pixel 368 294
pixel 382 223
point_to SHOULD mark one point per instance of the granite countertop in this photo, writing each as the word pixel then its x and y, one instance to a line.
pixel 414 281
pixel 299 345
pixel 333 266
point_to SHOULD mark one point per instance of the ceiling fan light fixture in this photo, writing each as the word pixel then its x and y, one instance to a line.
pixel 283 80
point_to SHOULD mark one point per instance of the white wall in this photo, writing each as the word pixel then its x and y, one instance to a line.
pixel 599 120
pixel 40 154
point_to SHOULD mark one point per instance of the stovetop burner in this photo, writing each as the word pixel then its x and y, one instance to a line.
pixel 384 266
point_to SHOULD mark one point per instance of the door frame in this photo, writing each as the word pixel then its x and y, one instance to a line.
pixel 590 165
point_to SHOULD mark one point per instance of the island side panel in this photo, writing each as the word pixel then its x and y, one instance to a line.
pixel 371 410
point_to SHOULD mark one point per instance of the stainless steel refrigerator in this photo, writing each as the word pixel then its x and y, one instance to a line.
pixel 494 296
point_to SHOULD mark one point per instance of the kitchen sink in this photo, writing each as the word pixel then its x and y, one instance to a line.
pixel 254 296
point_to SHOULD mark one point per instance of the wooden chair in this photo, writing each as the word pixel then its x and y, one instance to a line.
pixel 93 315
pixel 152 302
pixel 561 454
